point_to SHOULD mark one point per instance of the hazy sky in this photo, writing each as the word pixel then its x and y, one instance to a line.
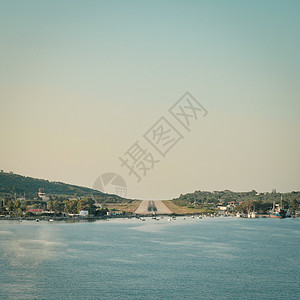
pixel 82 81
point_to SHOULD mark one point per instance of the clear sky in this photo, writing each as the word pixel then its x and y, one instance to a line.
pixel 82 81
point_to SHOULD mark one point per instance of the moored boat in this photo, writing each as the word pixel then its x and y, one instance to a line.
pixel 278 212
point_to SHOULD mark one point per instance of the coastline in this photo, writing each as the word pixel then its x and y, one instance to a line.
pixel 133 216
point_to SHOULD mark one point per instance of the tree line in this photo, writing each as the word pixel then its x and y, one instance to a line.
pixel 244 200
pixel 56 205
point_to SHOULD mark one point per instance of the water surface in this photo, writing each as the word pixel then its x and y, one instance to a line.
pixel 212 258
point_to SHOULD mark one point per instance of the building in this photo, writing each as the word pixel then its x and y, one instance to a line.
pixel 42 195
pixel 84 213
pixel 35 210
pixel 231 205
pixel 222 208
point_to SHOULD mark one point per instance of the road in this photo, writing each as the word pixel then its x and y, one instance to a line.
pixel 152 207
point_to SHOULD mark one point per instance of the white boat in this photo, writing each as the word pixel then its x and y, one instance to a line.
pixel 252 215
pixel 169 219
pixel 238 215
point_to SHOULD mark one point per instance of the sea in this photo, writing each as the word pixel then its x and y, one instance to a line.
pixel 186 258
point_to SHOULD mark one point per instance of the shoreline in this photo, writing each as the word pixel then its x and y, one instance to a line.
pixel 139 216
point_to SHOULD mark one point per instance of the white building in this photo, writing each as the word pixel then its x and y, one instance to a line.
pixel 84 213
pixel 42 195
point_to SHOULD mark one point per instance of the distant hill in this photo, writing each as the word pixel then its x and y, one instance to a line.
pixel 13 183
pixel 203 197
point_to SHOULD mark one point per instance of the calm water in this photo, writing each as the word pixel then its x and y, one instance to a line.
pixel 220 258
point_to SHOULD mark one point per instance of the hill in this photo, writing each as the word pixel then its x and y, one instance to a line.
pixel 13 183
pixel 200 201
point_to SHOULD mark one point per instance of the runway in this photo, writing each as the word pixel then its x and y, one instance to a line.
pixel 149 207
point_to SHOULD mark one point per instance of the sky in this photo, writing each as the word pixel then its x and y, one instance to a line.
pixel 83 82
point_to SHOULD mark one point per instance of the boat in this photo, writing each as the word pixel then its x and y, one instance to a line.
pixel 51 220
pixel 278 211
pixel 252 214
pixel 37 220
pixel 238 215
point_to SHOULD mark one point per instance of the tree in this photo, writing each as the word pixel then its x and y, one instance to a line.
pixel 20 212
pixel 50 205
pixel 71 207
pixel 10 205
pixel 58 206
pixel 87 204
pixel 17 204
pixel 294 205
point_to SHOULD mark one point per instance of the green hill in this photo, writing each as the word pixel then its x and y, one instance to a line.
pixel 261 201
pixel 13 183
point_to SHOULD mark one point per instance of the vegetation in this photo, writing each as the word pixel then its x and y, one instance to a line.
pixel 52 207
pixel 72 199
pixel 13 185
pixel 186 209
pixel 124 207
pixel 60 197
pixel 244 201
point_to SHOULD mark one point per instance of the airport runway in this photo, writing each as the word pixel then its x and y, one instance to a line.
pixel 152 207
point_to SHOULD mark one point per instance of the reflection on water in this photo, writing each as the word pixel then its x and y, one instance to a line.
pixel 31 248
pixel 130 259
